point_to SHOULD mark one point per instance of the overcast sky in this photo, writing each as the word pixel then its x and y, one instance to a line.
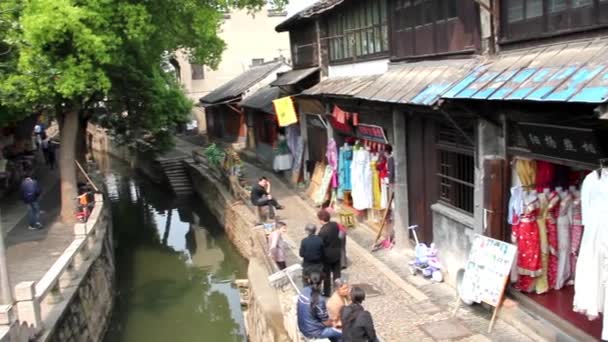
pixel 296 5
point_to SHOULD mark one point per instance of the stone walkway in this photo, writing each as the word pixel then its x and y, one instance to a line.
pixel 403 307
pixel 31 253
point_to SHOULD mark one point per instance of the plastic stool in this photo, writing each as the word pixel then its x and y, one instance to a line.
pixel 347 219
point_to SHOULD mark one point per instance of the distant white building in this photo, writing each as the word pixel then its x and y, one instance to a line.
pixel 250 40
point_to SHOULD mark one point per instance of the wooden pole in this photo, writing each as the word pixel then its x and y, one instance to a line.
pixel 86 175
pixel 388 208
pixel 502 298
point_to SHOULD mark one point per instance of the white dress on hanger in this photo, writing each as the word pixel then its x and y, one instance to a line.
pixel 590 294
pixel 361 180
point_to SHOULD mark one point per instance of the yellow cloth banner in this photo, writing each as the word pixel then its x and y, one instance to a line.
pixel 285 110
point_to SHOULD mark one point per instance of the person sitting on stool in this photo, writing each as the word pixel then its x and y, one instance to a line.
pixel 260 195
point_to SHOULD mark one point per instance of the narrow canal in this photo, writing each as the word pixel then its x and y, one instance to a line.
pixel 175 267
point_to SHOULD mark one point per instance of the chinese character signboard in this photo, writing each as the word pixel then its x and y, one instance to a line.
pixel 371 133
pixel 569 143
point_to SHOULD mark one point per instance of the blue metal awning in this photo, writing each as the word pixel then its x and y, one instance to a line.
pixel 418 83
pixel 573 72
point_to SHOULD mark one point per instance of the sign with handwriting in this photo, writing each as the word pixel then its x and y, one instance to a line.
pixel 487 270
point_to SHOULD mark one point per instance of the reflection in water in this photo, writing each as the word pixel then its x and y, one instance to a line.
pixel 174 266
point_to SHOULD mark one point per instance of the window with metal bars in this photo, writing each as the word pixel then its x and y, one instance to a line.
pixel 455 169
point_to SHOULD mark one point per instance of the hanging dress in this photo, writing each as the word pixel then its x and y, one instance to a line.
pixel 545 175
pixel 592 264
pixel 344 171
pixel 563 240
pixel 361 180
pixel 332 160
pixel 382 168
pixel 528 247
pixel 526 172
pixel 576 232
pixel 541 284
pixel 552 237
pixel 376 192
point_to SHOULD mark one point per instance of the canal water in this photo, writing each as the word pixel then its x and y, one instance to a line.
pixel 175 267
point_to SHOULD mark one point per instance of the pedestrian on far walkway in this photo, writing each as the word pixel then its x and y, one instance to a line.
pixel 30 193
pixel 278 247
pixel 332 250
pixel 357 323
pixel 311 251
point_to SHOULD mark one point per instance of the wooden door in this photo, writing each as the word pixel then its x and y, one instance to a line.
pixel 421 174
pixel 317 143
pixel 494 198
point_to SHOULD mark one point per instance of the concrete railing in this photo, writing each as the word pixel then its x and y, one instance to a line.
pixel 40 304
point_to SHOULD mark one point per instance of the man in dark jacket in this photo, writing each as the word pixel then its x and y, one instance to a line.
pixel 332 248
pixel 357 323
pixel 311 251
pixel 260 194
pixel 30 192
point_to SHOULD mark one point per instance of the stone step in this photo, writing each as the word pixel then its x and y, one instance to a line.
pixel 173 167
pixel 176 174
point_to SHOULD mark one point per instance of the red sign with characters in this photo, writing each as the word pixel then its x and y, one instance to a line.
pixel 372 133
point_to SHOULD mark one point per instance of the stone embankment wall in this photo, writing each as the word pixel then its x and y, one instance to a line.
pixel 236 218
pixel 88 314
pixel 98 140
pixel 271 313
pixel 73 300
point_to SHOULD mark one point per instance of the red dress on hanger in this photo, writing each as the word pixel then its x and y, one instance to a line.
pixel 551 223
pixel 545 175
pixel 528 247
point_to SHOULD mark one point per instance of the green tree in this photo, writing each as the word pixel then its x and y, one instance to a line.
pixel 85 58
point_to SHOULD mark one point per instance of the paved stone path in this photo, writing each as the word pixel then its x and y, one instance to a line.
pixel 404 308
pixel 31 253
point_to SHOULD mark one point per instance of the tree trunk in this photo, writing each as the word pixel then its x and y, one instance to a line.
pixel 81 148
pixel 67 167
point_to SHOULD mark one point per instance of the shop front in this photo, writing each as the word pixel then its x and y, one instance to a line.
pixel 361 145
pixel 553 193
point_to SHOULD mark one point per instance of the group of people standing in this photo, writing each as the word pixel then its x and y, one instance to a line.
pixel 341 317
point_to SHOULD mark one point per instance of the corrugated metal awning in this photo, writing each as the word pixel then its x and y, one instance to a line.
pixel 293 77
pixel 262 99
pixel 420 83
pixel 341 86
pixel 240 84
pixel 573 72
